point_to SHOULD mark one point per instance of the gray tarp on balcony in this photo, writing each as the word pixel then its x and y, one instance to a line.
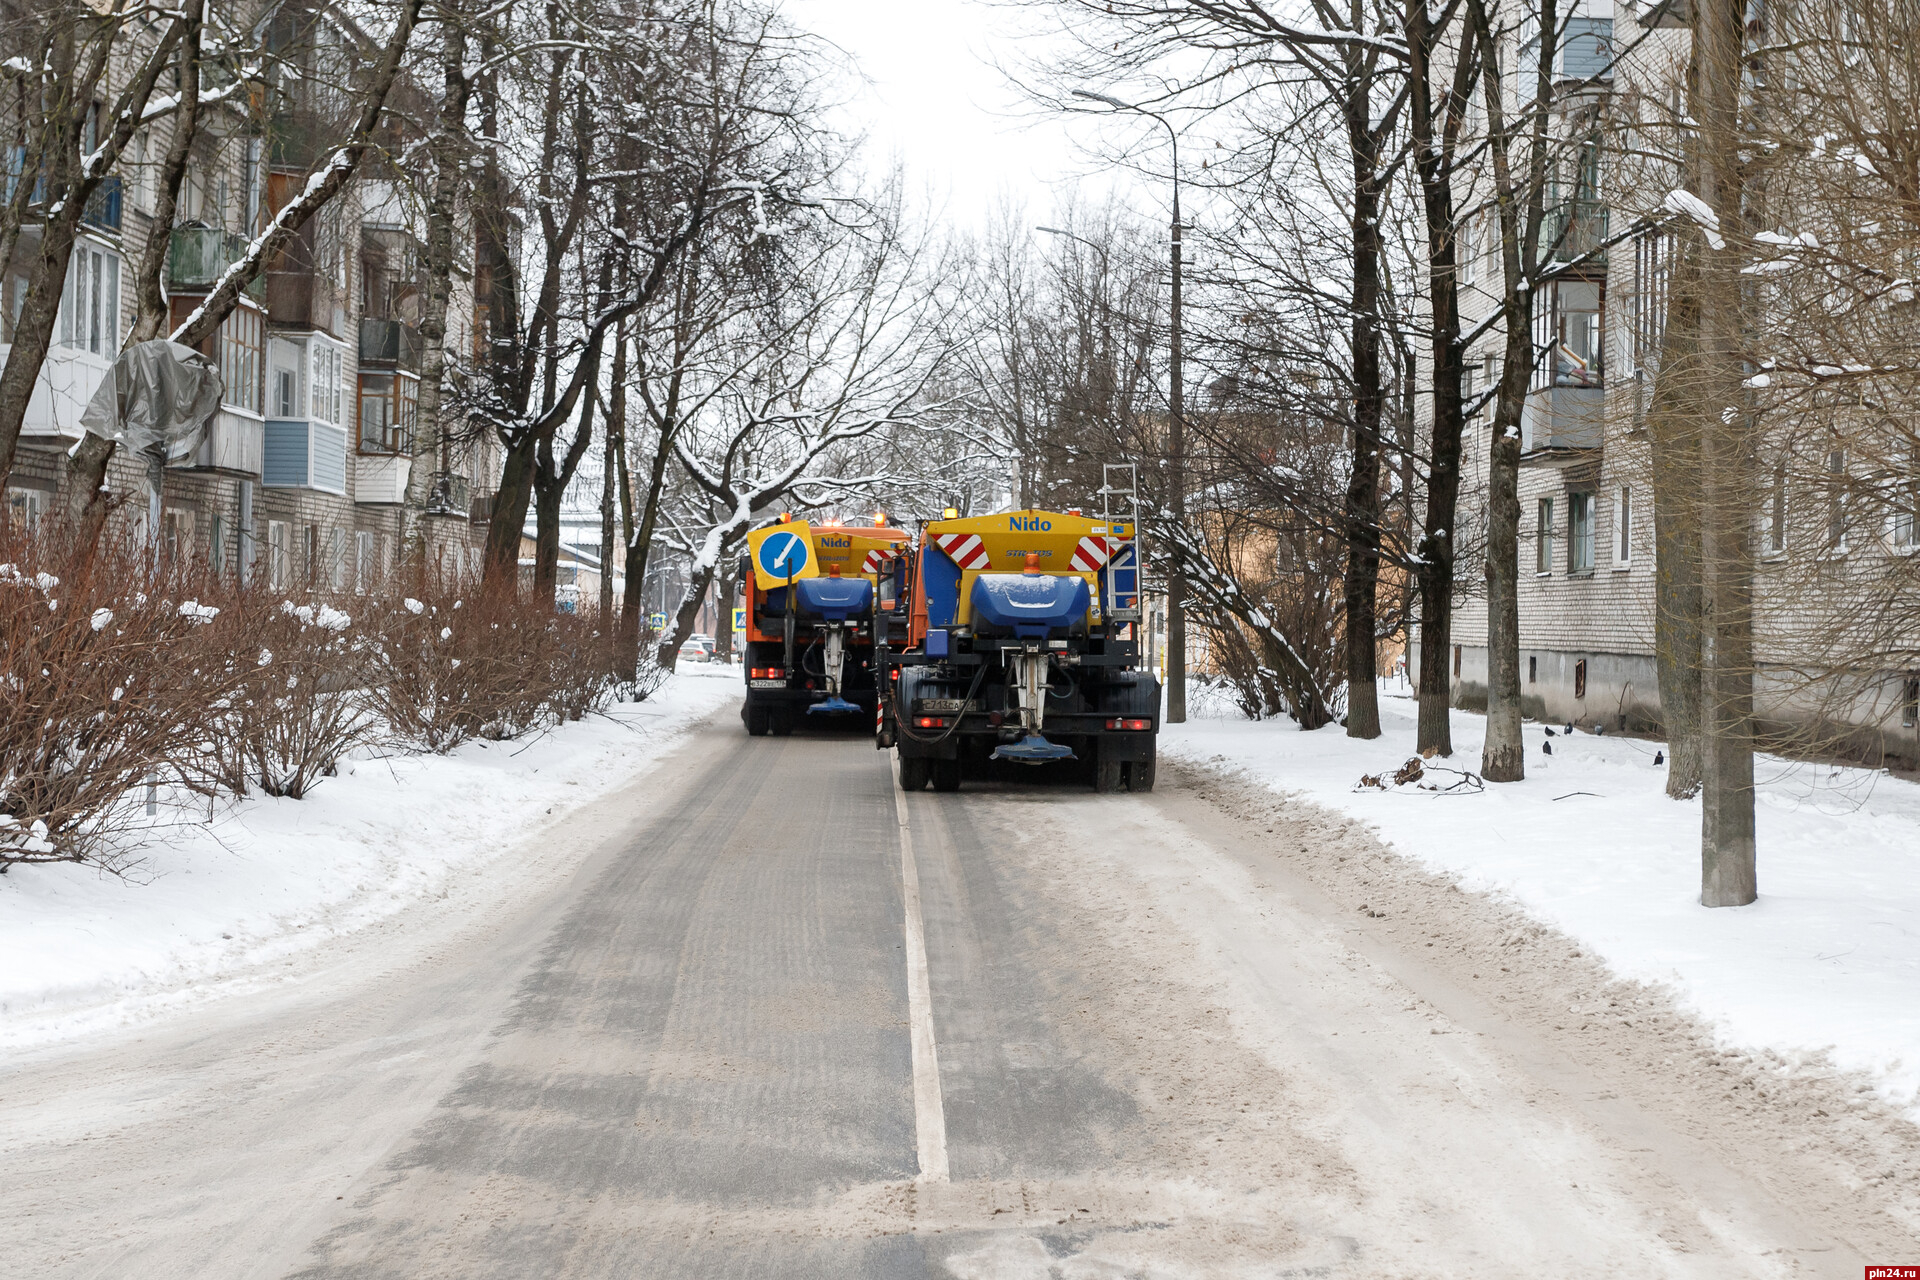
pixel 161 393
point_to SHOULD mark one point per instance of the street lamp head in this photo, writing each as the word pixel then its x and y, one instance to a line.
pixel 1053 231
pixel 1091 96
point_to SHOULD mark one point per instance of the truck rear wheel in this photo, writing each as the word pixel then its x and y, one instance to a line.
pixel 1140 773
pixel 914 772
pixel 1107 774
pixel 757 719
pixel 946 775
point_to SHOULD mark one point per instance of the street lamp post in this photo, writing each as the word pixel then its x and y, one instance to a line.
pixel 1176 434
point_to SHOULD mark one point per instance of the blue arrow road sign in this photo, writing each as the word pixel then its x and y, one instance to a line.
pixel 783 555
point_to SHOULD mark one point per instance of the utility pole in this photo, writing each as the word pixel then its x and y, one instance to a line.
pixel 1176 435
pixel 1176 479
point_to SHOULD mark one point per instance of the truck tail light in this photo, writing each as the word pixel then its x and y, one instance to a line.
pixel 1129 724
pixel 930 722
pixel 767 673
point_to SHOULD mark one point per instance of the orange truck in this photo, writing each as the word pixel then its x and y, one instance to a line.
pixel 1020 644
pixel 812 592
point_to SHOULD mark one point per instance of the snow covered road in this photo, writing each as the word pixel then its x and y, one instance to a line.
pixel 1209 1032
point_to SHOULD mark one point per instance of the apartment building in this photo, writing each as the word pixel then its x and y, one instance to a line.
pixel 1587 581
pixel 300 483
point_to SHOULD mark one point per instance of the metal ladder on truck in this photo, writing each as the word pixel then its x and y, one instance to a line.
pixel 1120 512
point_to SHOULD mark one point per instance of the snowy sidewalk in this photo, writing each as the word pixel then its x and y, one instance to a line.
pixel 1827 960
pixel 269 879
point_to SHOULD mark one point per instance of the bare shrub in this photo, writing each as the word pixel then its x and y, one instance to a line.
pixel 294 699
pixel 435 675
pixel 580 670
pixel 92 690
pixel 445 668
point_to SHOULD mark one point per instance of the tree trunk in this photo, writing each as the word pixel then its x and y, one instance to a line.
pixel 640 544
pixel 1674 422
pixel 547 493
pixel 501 571
pixel 1432 139
pixel 608 497
pixel 1362 584
pixel 1504 756
pixel 685 616
pixel 442 210
pixel 1727 851
pixel 726 583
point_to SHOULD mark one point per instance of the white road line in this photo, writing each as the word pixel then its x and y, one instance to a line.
pixel 929 1111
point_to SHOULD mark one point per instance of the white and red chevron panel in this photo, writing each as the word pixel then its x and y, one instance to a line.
pixel 1091 554
pixel 964 549
pixel 875 559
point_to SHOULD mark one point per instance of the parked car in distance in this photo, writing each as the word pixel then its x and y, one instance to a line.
pixel 697 649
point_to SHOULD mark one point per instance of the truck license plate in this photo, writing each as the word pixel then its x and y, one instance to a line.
pixel 944 706
pixel 766 684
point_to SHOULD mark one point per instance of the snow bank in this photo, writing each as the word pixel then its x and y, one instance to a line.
pixel 1827 961
pixel 266 878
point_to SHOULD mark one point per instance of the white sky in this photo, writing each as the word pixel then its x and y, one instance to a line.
pixel 937 102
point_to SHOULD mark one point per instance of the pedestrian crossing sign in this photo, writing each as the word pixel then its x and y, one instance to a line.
pixel 739 619
pixel 658 621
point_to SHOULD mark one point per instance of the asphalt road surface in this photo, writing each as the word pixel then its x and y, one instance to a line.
pixel 760 1015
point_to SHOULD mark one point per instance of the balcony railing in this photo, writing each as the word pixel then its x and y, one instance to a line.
pixel 1560 425
pixel 481 509
pixel 450 494
pixel 389 342
pixel 306 298
pixel 197 257
pixel 1573 229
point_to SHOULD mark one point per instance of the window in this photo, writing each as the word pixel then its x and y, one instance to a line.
pixel 337 559
pixel 1456 659
pixel 26 508
pixel 1904 530
pixel 1776 520
pixel 389 403
pixel 287 379
pixel 1580 533
pixel 1533 668
pixel 1652 267
pixel 363 562
pixel 1543 537
pixel 1623 528
pixel 1577 353
pixel 1580 678
pixel 328 366
pixel 90 301
pixel 1910 700
pixel 311 547
pixel 1836 500
pixel 217 541
pixel 242 350
pixel 1469 249
pixel 176 527
pixel 279 554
